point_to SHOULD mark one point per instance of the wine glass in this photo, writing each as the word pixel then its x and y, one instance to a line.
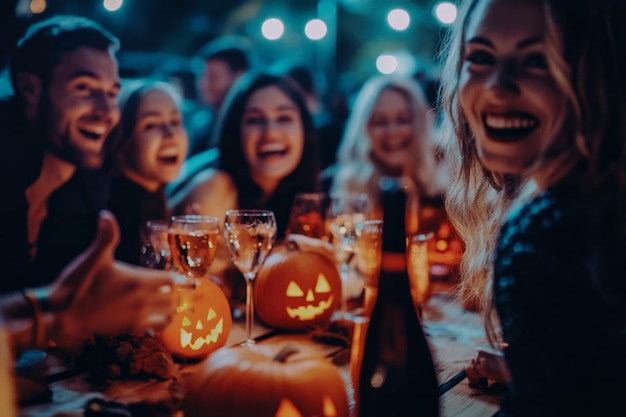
pixel 307 215
pixel 155 250
pixel 369 257
pixel 345 212
pixel 193 242
pixel 249 235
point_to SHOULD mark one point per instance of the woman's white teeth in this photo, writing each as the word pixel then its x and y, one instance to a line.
pixel 168 153
pixel 501 122
pixel 271 147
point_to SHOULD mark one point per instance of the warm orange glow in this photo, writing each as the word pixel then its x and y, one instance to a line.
pixel 329 407
pixel 322 285
pixel 287 409
pixel 201 326
pixel 37 6
pixel 294 290
pixel 442 245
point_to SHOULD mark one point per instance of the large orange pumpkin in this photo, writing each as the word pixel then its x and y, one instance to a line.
pixel 250 381
pixel 199 329
pixel 294 290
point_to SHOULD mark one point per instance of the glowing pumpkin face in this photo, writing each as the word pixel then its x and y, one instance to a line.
pixel 255 381
pixel 288 409
pixel 308 304
pixel 294 290
pixel 199 329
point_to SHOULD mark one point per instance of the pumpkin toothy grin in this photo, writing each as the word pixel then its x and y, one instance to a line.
pixel 212 337
pixel 309 312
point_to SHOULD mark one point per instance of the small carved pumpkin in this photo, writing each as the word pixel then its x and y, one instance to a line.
pixel 199 329
pixel 294 290
pixel 250 381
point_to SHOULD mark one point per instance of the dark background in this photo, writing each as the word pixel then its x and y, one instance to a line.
pixel 166 33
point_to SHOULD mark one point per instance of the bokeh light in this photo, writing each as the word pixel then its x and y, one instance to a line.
pixel 315 29
pixel 273 29
pixel 398 19
pixel 386 64
pixel 37 6
pixel 112 5
pixel 445 12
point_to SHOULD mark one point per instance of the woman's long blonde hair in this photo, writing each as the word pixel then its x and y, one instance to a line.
pixel 358 172
pixel 582 41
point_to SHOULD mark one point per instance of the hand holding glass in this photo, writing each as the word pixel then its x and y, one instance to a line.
pixel 249 235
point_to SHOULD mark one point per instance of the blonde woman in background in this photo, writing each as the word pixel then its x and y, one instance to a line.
pixel 389 132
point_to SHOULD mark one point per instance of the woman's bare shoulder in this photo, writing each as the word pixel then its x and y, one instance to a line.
pixel 205 190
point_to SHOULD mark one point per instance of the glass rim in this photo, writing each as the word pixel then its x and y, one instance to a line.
pixel 311 195
pixel 249 212
pixel 195 218
pixel 339 195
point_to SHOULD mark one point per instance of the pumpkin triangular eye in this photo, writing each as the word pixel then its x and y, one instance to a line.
pixel 328 407
pixel 212 314
pixel 322 284
pixel 294 290
pixel 186 322
pixel 287 409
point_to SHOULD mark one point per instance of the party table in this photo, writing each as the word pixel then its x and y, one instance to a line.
pixel 454 335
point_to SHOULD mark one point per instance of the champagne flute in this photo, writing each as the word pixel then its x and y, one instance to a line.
pixel 369 256
pixel 193 241
pixel 249 235
pixel 345 213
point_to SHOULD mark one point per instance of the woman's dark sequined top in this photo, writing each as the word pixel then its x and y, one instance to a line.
pixel 560 292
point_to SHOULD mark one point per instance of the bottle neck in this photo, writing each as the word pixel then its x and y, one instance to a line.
pixel 393 262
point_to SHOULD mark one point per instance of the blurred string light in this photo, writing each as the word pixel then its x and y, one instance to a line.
pixel 386 64
pixel 315 29
pixel 37 6
pixel 401 62
pixel 112 5
pixel 398 19
pixel 445 12
pixel 273 29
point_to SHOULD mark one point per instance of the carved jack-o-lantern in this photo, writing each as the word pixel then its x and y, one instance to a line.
pixel 294 290
pixel 250 380
pixel 201 325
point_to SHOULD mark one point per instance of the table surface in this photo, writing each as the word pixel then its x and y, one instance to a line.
pixel 453 332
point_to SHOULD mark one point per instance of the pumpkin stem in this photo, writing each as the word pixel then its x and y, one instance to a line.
pixel 285 353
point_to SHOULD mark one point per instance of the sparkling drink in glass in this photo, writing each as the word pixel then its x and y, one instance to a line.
pixel 250 236
pixel 193 242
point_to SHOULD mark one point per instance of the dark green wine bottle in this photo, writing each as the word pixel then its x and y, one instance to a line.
pixel 397 376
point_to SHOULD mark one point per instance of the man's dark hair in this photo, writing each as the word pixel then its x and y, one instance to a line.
pixel 232 50
pixel 40 49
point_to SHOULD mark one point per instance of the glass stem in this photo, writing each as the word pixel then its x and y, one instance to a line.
pixel 249 310
pixel 345 271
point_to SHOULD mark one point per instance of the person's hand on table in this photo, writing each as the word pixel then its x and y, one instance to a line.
pixel 489 364
pixel 96 294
